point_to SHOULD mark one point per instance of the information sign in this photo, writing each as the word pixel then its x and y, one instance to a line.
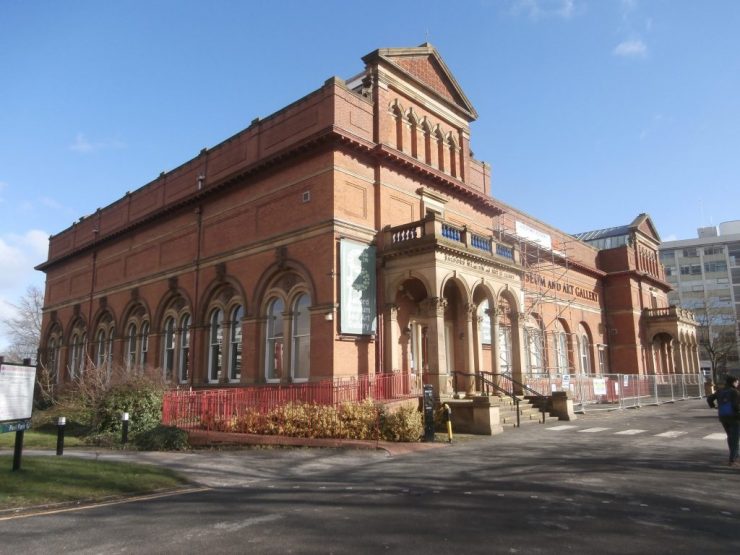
pixel 17 426
pixel 357 269
pixel 16 391
pixel 599 386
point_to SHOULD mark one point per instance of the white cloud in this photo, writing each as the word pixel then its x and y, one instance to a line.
pixel 18 255
pixel 538 9
pixel 671 237
pixel 82 145
pixel 634 48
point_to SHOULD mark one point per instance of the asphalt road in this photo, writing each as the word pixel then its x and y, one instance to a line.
pixel 650 480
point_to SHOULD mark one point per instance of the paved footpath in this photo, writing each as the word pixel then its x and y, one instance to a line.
pixel 652 480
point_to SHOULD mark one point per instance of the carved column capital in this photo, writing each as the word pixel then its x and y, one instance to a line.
pixel 434 306
pixel 391 309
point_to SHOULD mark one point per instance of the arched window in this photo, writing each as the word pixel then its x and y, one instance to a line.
pixel 584 345
pixel 168 355
pixel 453 157
pixel 215 352
pixel 274 340
pixel 534 341
pixel 101 345
pixel 427 130
pixel 77 353
pixel 52 357
pixel 235 344
pixel 398 115
pixel 414 124
pixel 484 329
pixel 560 345
pixel 131 347
pixel 184 359
pixel 301 330
pixel 144 344
pixel 440 150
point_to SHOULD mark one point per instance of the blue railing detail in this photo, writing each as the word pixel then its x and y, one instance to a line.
pixel 450 232
pixel 506 252
pixel 481 243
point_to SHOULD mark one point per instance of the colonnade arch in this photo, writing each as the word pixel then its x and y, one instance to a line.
pixel 451 332
pixel 673 353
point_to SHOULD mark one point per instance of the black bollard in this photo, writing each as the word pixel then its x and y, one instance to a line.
pixel 61 424
pixel 124 428
pixel 18 451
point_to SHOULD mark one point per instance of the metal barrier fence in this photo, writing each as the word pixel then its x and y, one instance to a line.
pixel 220 409
pixel 619 391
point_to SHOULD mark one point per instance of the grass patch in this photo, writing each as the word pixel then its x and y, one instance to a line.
pixel 46 480
pixel 39 440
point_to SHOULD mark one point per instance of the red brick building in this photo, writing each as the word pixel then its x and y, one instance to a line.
pixel 350 233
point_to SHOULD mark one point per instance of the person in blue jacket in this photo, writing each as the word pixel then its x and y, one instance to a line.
pixel 728 410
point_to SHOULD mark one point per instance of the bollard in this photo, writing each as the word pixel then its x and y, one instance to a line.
pixel 448 421
pixel 61 424
pixel 18 450
pixel 428 406
pixel 124 428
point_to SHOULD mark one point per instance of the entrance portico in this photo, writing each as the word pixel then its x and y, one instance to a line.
pixel 455 303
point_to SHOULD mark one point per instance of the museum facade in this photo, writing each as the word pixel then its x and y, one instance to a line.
pixel 352 233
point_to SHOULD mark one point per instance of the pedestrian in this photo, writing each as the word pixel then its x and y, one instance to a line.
pixel 728 401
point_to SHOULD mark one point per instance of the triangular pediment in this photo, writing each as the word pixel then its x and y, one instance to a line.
pixel 425 66
pixel 644 224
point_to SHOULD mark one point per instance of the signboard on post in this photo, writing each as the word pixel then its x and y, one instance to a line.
pixel 357 271
pixel 16 391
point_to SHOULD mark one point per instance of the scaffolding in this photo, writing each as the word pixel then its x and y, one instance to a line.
pixel 546 264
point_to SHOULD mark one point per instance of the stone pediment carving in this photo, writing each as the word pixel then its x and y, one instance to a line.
pixel 425 66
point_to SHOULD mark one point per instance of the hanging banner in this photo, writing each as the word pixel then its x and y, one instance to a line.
pixel 357 287
pixel 16 391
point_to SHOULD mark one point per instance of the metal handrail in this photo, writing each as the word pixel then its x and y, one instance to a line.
pixel 523 387
pixel 494 386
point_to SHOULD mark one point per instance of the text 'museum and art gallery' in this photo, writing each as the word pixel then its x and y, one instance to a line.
pixel 348 234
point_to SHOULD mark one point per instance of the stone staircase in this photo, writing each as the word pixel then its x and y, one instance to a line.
pixel 490 415
pixel 529 412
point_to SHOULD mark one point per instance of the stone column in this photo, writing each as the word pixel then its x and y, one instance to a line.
pixel 437 373
pixel 492 313
pixel 470 351
pixel 519 349
pixel 391 337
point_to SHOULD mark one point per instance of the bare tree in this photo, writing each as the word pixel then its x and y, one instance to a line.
pixel 716 336
pixel 24 327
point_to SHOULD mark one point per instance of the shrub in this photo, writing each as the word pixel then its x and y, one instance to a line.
pixel 142 399
pixel 363 420
pixel 405 424
pixel 162 438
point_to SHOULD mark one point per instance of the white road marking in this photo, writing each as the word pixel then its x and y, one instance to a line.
pixel 93 505
pixel 592 430
pixel 561 428
pixel 716 436
pixel 672 433
pixel 629 432
pixel 235 526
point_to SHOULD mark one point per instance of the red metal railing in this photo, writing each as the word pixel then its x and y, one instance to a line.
pixel 211 409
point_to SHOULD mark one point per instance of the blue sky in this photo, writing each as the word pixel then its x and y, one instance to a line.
pixel 590 111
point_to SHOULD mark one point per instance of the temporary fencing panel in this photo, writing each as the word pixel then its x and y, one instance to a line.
pixel 617 391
